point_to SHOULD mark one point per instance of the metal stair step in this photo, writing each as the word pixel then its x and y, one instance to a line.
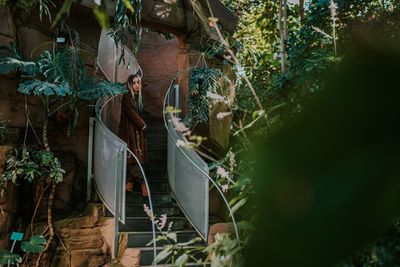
pixel 157 198
pixel 152 174
pixel 137 210
pixel 156 185
pixel 139 224
pixel 156 165
pixel 141 239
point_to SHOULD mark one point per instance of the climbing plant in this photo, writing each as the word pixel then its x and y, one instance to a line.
pixel 203 81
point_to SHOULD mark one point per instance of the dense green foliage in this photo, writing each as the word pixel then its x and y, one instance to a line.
pixel 315 45
pixel 202 82
pixel 29 164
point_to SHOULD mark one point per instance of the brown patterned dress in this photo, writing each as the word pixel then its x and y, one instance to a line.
pixel 130 129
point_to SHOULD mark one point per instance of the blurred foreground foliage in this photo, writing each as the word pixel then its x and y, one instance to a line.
pixel 326 183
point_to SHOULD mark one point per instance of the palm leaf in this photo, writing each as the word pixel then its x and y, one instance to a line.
pixel 37 87
pixel 94 89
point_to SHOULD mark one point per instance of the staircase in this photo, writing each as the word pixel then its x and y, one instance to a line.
pixel 137 225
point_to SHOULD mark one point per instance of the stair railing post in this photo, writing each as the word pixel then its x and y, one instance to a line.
pixel 117 205
pixel 90 159
pixel 176 87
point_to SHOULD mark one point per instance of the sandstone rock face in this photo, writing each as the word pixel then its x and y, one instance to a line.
pixel 158 58
pixel 219 228
pixel 86 240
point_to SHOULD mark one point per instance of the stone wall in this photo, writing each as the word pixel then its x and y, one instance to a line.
pixel 158 58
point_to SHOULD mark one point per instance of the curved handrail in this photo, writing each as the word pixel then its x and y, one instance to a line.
pixel 193 164
pixel 99 111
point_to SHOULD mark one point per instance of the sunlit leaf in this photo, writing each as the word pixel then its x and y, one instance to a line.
pixel 35 244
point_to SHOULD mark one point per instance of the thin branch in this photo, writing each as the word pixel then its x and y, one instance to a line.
pixel 236 60
pixel 37 206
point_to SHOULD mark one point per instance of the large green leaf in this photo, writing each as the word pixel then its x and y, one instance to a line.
pixel 8 257
pixel 11 64
pixel 163 254
pixel 63 12
pixel 63 66
pixel 37 87
pixel 182 260
pixel 35 244
pixel 102 17
pixel 94 89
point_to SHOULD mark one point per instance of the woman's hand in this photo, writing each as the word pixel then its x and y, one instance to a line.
pixel 144 127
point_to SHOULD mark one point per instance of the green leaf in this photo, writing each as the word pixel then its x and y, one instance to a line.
pixel 172 236
pixel 246 225
pixel 238 205
pixel 94 89
pixel 64 11
pixel 163 254
pixel 102 17
pixel 37 87
pixel 182 260
pixel 10 64
pixel 129 6
pixel 8 257
pixel 35 244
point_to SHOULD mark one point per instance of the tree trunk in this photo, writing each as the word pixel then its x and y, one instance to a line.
pixel 301 10
pixel 282 33
pixel 53 187
pixel 50 223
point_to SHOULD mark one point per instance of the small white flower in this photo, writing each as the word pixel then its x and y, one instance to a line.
pixel 170 226
pixel 180 143
pixel 225 188
pixel 333 7
pixel 97 2
pixel 162 222
pixel 179 125
pixel 149 212
pixel 222 172
pixel 240 72
pixel 215 97
pixel 222 115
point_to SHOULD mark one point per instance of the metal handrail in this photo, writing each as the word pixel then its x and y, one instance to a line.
pixel 98 113
pixel 194 165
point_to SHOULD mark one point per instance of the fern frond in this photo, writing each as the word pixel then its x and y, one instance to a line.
pixel 37 87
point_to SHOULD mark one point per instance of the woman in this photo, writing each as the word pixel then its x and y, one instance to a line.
pixel 132 129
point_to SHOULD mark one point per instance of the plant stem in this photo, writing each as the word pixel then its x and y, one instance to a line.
pixel 282 35
pixel 52 183
pixel 49 222
pixel 37 207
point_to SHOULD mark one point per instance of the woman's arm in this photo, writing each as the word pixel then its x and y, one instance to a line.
pixel 131 113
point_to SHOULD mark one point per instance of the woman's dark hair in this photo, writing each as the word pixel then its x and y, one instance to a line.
pixel 129 83
pixel 131 77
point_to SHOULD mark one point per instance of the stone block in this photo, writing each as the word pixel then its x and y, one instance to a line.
pixel 6 23
pixel 30 39
pixel 219 228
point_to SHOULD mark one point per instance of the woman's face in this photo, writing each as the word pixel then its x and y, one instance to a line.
pixel 136 84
